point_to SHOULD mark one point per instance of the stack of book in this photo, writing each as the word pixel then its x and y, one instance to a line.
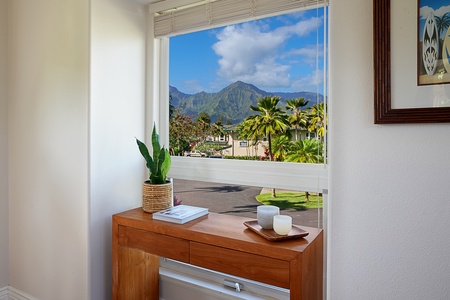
pixel 180 214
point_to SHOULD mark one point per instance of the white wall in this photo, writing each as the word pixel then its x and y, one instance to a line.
pixel 48 148
pixel 77 102
pixel 389 216
pixel 117 115
pixel 4 278
pixel 389 213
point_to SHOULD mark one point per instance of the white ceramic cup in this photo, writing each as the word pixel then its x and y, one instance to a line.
pixel 282 224
pixel 265 215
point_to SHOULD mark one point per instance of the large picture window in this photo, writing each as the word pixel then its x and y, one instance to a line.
pixel 179 24
pixel 210 174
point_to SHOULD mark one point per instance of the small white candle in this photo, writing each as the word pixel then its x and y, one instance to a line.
pixel 265 215
pixel 282 224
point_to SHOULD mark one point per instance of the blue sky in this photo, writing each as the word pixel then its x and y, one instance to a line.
pixel 274 54
pixel 438 7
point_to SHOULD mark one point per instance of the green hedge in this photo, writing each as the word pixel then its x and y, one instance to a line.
pixel 241 157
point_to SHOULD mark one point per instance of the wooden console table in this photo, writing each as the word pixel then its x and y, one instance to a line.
pixel 217 242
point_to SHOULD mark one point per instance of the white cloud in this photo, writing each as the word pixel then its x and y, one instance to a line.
pixel 425 11
pixel 301 28
pixel 192 87
pixel 308 83
pixel 441 11
pixel 307 54
pixel 251 53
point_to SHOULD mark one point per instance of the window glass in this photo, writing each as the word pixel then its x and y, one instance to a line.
pixel 242 200
pixel 222 82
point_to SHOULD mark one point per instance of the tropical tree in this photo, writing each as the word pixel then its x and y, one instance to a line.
pixel 281 146
pixel 442 23
pixel 247 132
pixel 317 120
pixel 204 117
pixel 269 121
pixel 204 129
pixel 203 125
pixel 298 119
pixel 306 151
pixel 217 129
pixel 182 132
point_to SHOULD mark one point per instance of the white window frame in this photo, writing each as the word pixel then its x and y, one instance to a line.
pixel 284 175
pixel 294 176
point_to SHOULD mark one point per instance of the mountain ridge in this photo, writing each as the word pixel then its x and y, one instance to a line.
pixel 232 102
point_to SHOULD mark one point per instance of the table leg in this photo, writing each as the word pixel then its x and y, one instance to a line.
pixel 138 275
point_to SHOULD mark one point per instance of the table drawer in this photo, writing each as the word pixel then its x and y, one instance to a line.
pixel 158 244
pixel 254 267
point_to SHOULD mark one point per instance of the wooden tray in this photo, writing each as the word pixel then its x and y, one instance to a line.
pixel 271 235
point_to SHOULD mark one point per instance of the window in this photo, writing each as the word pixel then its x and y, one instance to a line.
pixel 192 16
pixel 189 18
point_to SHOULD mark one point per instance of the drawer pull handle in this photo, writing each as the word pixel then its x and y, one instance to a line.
pixel 235 285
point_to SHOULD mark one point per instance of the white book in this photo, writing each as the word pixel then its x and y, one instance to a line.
pixel 180 214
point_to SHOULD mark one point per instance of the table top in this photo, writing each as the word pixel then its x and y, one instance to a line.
pixel 221 230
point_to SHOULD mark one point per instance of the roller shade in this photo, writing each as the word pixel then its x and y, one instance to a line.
pixel 215 13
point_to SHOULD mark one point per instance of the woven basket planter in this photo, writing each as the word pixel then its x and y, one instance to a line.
pixel 156 197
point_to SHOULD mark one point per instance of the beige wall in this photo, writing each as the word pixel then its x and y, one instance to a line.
pixel 77 102
pixel 118 30
pixel 4 278
pixel 238 150
pixel 389 208
pixel 388 214
pixel 48 148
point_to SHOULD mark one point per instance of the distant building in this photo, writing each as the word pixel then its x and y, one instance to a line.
pixel 231 145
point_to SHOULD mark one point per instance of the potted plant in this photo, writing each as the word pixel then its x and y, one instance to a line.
pixel 157 191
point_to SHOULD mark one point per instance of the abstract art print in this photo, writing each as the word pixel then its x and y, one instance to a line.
pixel 433 51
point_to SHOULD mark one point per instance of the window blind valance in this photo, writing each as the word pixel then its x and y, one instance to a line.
pixel 215 13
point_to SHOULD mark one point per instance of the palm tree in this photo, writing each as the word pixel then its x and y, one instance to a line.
pixel 281 146
pixel 317 121
pixel 306 151
pixel 204 117
pixel 298 117
pixel 270 121
pixel 442 23
pixel 247 132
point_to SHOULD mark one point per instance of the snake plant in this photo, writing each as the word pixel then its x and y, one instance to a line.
pixel 158 164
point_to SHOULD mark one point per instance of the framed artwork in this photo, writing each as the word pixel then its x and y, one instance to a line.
pixel 433 41
pixel 411 83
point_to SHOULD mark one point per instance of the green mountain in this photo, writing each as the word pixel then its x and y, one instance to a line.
pixel 231 103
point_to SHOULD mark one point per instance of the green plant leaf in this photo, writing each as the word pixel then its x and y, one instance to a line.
pixel 155 144
pixel 165 165
pixel 159 164
pixel 144 151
